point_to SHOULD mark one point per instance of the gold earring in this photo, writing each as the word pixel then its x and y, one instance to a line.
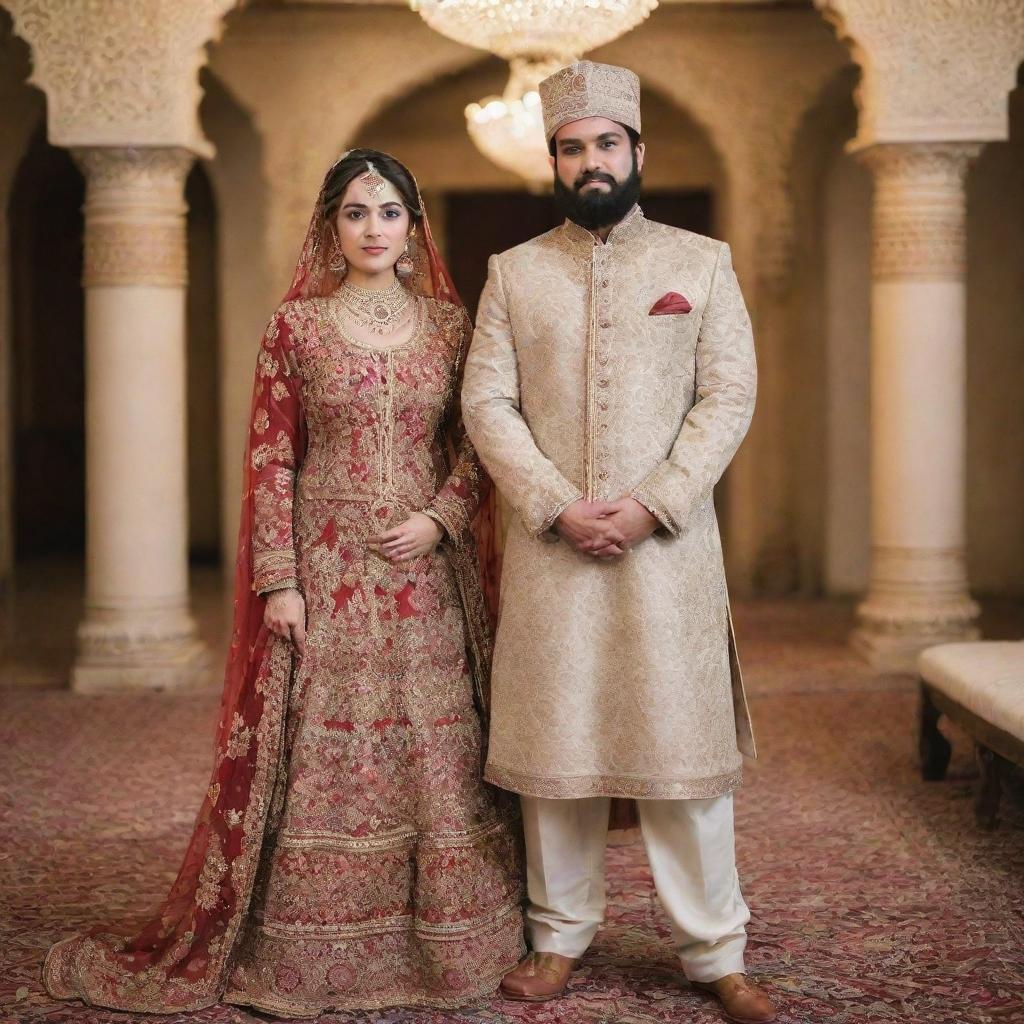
pixel 336 260
pixel 405 266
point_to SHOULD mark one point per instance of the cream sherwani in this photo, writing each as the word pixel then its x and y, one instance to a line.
pixel 617 678
pixel 613 678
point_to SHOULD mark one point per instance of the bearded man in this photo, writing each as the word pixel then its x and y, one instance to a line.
pixel 610 381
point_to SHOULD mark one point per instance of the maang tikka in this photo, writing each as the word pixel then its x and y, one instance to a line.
pixel 373 181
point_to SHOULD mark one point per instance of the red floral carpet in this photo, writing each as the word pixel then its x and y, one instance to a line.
pixel 875 897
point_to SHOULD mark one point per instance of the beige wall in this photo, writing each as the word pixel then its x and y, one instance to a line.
pixel 847 435
pixel 247 295
pixel 995 364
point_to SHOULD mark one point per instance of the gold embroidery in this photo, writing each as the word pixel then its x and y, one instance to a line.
pixel 281 450
pixel 241 736
pixel 210 880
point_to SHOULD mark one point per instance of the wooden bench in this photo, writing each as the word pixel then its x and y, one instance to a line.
pixel 980 687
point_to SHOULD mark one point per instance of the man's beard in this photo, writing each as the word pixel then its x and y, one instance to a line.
pixel 596 209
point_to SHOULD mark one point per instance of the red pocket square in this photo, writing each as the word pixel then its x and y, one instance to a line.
pixel 670 302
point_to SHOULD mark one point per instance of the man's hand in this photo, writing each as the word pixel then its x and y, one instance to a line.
pixel 633 522
pixel 585 526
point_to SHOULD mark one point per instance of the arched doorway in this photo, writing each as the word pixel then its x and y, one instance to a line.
pixel 478 209
pixel 48 359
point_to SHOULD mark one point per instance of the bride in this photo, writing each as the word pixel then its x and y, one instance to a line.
pixel 347 853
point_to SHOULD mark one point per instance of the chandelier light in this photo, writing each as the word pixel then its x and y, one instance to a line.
pixel 537 37
pixel 559 29
pixel 509 129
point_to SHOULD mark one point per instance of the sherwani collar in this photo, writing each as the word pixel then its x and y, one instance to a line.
pixel 581 240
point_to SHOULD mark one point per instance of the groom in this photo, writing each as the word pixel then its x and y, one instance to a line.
pixel 610 381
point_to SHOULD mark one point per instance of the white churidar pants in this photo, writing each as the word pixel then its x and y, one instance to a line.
pixel 691 849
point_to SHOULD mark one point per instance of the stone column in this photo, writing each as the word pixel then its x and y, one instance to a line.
pixel 918 593
pixel 137 631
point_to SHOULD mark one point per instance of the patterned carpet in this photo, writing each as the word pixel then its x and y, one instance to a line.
pixel 875 897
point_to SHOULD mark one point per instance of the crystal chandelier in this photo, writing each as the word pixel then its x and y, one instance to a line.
pixel 509 129
pixel 537 37
pixel 556 29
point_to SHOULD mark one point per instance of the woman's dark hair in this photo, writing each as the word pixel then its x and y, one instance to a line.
pixel 353 165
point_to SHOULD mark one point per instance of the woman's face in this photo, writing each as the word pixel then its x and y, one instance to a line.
pixel 373 225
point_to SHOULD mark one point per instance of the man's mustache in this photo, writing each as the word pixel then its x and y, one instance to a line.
pixel 587 176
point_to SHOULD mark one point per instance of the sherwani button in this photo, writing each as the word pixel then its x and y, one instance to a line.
pixel 605 324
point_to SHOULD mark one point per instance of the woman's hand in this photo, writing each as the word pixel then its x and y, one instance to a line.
pixel 285 615
pixel 416 537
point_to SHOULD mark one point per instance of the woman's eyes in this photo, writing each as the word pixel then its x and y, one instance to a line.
pixel 390 214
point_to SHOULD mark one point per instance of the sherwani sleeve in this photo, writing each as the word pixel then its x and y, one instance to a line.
pixel 725 388
pixel 530 481
pixel 457 501
pixel 273 442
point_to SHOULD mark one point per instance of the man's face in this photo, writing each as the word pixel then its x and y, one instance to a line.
pixel 596 171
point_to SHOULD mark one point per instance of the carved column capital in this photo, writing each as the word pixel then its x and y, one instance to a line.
pixel 120 72
pixel 933 70
pixel 920 209
pixel 135 215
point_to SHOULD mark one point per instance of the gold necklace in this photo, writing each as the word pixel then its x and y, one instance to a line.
pixel 380 311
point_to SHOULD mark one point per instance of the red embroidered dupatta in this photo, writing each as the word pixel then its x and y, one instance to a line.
pixel 181 958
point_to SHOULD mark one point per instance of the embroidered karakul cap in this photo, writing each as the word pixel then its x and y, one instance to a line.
pixel 587 89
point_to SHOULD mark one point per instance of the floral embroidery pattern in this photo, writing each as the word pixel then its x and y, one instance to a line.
pixel 214 870
pixel 393 877
pixel 615 679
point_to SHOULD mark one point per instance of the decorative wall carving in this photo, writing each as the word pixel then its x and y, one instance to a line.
pixel 920 209
pixel 135 215
pixel 934 70
pixel 120 72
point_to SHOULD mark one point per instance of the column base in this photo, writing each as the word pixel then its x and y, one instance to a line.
pixel 116 657
pixel 892 643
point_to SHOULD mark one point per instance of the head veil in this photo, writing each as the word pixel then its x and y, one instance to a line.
pixel 313 276
pixel 180 958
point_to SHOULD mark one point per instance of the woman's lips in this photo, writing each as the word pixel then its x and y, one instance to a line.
pixel 375 250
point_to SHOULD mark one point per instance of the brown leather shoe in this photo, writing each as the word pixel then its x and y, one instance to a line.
pixel 743 1001
pixel 541 976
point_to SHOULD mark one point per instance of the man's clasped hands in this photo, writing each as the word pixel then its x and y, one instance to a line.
pixel 605 529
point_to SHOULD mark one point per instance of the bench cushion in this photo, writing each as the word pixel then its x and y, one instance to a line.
pixel 985 677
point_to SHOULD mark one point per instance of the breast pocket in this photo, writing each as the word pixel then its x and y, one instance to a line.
pixel 665 364
pixel 672 343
